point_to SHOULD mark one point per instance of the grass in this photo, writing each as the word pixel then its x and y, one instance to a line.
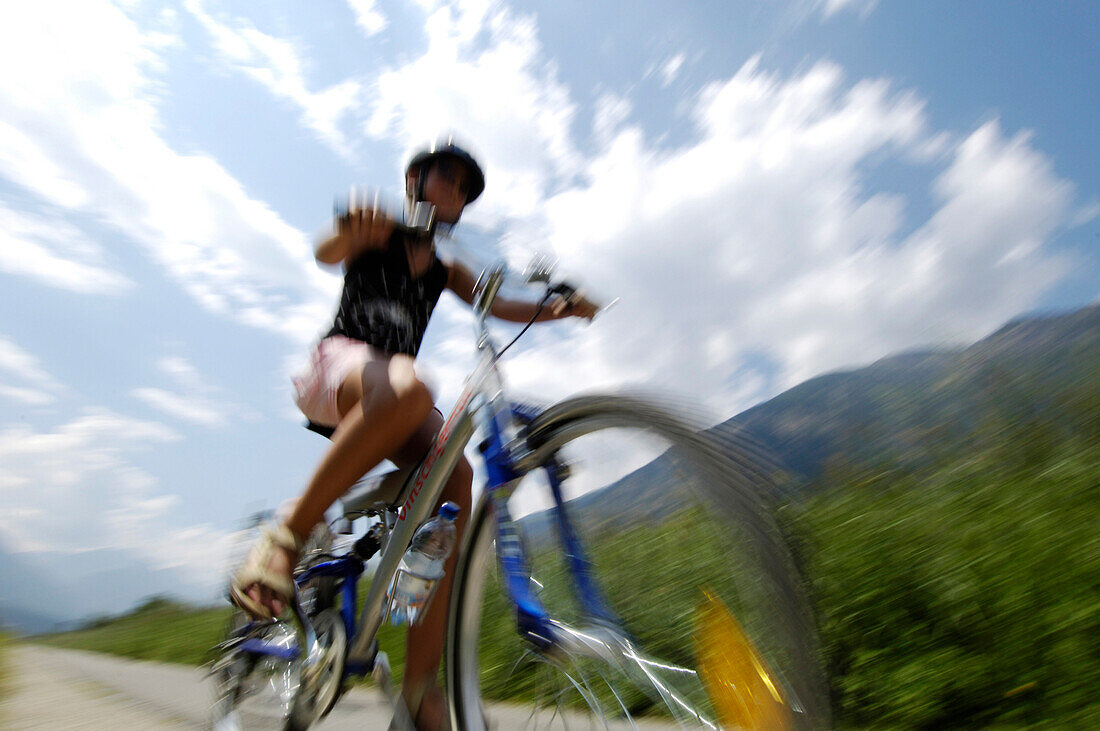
pixel 6 641
pixel 159 629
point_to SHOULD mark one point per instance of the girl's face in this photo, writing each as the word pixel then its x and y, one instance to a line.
pixel 447 188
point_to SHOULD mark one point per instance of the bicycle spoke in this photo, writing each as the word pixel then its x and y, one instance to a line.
pixel 669 696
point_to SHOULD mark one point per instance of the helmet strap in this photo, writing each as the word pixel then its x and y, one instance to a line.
pixel 421 178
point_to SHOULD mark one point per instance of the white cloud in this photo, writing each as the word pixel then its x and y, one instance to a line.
pixel 24 395
pixel 21 160
pixel 278 64
pixel 1085 214
pixel 69 476
pixel 98 122
pixel 182 372
pixel 181 407
pixel 483 77
pixel 55 254
pixel 830 8
pixel 611 111
pixel 756 257
pixel 670 69
pixel 74 488
pixel 36 387
pixel 195 399
pixel 367 16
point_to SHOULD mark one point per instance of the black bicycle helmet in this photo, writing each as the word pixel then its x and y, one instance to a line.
pixel 447 148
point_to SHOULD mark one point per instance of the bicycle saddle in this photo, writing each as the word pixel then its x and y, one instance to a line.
pixel 374 492
pixel 325 431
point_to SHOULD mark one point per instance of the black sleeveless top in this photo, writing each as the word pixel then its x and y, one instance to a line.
pixel 383 304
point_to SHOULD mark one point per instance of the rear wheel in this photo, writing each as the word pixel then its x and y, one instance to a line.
pixel 705 622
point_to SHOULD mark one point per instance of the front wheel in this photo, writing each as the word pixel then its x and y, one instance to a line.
pixel 677 606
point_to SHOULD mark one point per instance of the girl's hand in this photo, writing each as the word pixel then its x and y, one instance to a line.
pixel 575 306
pixel 364 229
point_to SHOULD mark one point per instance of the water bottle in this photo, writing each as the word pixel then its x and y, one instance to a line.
pixel 422 566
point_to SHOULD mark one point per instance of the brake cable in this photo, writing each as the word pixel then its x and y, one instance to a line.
pixel 538 311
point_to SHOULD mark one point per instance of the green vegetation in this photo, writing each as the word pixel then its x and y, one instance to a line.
pixel 5 643
pixel 962 596
pixel 160 629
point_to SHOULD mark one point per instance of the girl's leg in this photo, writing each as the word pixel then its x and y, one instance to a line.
pixel 381 408
pixel 424 645
pixel 386 413
pixel 378 417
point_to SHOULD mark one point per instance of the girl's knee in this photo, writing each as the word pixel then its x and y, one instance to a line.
pixel 417 399
pixel 463 474
pixel 412 395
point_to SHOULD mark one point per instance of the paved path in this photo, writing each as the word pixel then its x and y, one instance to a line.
pixel 67 689
pixel 48 688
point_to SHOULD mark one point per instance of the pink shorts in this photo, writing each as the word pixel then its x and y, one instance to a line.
pixel 317 386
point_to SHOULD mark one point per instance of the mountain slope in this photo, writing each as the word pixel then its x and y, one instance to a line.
pixel 1033 377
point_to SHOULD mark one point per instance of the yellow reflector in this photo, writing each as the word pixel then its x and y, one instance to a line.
pixel 743 690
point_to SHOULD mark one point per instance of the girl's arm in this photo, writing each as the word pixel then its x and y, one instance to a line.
pixel 356 231
pixel 461 281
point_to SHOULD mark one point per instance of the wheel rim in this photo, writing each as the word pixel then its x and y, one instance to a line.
pixel 665 617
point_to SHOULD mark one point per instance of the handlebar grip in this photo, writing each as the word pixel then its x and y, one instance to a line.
pixel 565 290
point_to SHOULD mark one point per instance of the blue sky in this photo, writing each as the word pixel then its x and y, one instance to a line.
pixel 772 189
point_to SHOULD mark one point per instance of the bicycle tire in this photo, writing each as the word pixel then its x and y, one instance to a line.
pixel 732 485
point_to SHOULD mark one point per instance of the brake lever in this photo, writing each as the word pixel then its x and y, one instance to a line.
pixel 568 292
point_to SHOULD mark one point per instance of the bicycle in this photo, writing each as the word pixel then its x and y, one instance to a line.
pixel 553 635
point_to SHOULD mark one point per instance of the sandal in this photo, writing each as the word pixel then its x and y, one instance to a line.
pixel 255 571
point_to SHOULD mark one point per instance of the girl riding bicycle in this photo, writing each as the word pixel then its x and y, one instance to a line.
pixel 362 382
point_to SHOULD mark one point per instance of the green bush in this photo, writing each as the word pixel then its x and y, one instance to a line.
pixel 962 597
